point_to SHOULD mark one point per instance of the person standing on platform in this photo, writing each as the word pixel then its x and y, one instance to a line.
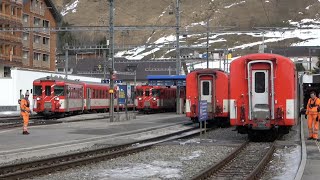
pixel 25 112
pixel 313 116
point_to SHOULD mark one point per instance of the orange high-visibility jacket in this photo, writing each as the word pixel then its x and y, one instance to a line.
pixel 24 105
pixel 313 110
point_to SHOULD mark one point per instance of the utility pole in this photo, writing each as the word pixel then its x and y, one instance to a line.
pixel 134 92
pixel 310 59
pixel 263 42
pixel 66 63
pixel 178 64
pixel 104 64
pixel 208 42
pixel 111 55
pixel 178 36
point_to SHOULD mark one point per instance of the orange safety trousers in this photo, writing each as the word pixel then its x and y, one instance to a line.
pixel 313 125
pixel 25 117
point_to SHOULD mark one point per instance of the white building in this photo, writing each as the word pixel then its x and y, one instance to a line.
pixel 21 80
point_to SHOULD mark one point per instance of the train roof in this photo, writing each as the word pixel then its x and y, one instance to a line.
pixel 49 78
pixel 210 70
pixel 262 56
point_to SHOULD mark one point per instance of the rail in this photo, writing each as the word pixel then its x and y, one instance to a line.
pixel 49 165
pixel 249 168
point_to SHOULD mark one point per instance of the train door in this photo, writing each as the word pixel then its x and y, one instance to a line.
pixel 48 105
pixel 68 90
pixel 88 98
pixel 260 94
pixel 206 92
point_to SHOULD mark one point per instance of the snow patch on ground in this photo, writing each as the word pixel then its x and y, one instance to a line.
pixel 70 7
pixel 163 169
pixel 227 7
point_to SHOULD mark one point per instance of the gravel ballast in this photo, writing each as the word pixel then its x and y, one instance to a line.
pixel 161 162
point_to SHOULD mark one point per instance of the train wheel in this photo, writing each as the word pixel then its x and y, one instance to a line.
pixel 61 115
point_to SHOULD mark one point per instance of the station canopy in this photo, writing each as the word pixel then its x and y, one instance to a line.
pixel 167 80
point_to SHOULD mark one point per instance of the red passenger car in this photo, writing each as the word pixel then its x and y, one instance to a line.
pixel 263 94
pixel 210 85
pixel 96 97
pixel 155 98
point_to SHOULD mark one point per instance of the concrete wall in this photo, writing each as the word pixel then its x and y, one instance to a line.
pixel 21 80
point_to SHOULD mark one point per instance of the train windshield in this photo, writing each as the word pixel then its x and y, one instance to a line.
pixel 156 92
pixel 37 90
pixel 147 93
pixel 139 93
pixel 58 90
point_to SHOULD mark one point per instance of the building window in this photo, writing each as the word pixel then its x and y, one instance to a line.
pixel 45 57
pixel 25 54
pixel 7 71
pixel 36 21
pixel 45 41
pixel 25 36
pixel 60 69
pixel 37 56
pixel 36 39
pixel 25 17
pixel 45 23
pixel 12 11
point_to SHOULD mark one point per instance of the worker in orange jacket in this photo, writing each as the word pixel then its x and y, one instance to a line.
pixel 313 113
pixel 25 112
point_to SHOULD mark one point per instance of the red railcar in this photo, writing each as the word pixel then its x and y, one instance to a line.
pixel 210 85
pixel 263 94
pixel 155 98
pixel 57 96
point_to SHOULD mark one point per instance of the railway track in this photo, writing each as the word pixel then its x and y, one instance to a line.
pixel 246 162
pixel 49 165
pixel 16 121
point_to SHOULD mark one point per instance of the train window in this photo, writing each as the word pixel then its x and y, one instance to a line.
pixel 205 88
pixel 156 92
pixel 48 90
pixel 101 95
pixel 147 93
pixel 37 90
pixel 139 93
pixel 259 82
pixel 58 90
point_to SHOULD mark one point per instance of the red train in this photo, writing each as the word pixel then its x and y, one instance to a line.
pixel 57 96
pixel 263 94
pixel 210 85
pixel 155 98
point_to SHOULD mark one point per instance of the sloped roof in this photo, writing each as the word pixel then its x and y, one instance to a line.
pixel 296 51
pixel 57 16
pixel 94 67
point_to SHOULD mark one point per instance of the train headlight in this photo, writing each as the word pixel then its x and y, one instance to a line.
pixel 57 98
pixel 38 99
pixel 139 99
pixel 154 98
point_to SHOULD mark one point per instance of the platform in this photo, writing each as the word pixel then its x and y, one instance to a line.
pixel 51 139
pixel 312 168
